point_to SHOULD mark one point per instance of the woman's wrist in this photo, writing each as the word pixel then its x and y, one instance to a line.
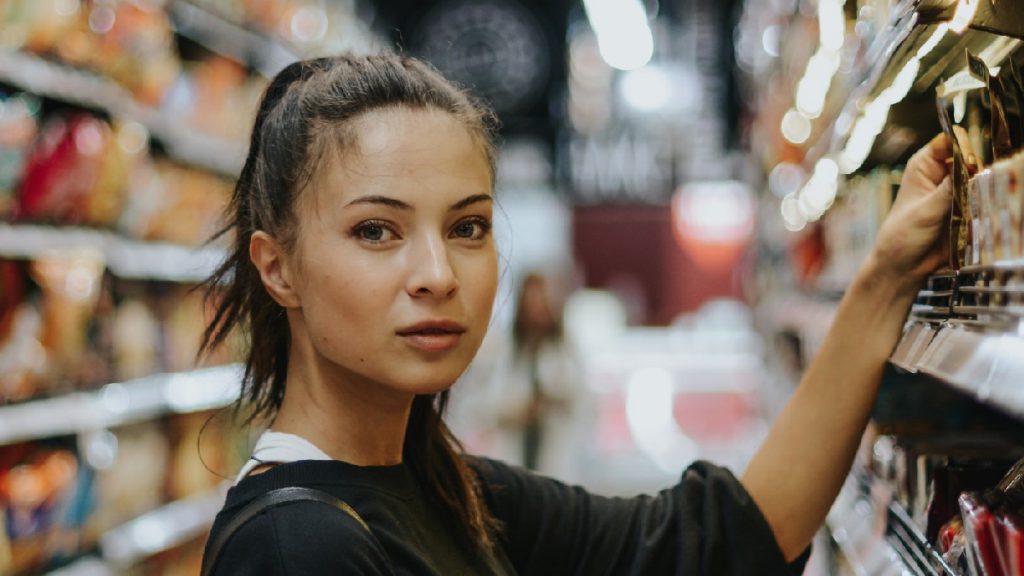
pixel 885 286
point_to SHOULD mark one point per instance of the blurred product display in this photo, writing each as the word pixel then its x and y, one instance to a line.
pixel 119 136
pixel 936 489
pixel 691 184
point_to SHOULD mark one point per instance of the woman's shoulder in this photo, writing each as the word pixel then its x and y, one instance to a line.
pixel 264 533
pixel 300 537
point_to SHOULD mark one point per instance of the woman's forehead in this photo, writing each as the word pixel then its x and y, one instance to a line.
pixel 404 152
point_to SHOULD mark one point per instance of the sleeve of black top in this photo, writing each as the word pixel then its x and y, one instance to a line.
pixel 705 525
pixel 302 539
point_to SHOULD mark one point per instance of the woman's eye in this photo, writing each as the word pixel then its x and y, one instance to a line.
pixel 372 232
pixel 471 229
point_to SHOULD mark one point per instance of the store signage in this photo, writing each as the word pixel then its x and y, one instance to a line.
pixel 622 167
pixel 510 53
pixel 495 47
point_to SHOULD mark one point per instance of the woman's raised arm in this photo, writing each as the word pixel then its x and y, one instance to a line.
pixel 800 467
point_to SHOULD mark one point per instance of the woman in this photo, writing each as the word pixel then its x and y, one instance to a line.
pixel 535 390
pixel 364 272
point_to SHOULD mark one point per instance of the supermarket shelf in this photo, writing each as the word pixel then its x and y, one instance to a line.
pixel 988 366
pixel 854 527
pixel 911 546
pixel 864 78
pixel 84 88
pixel 162 529
pixel 912 25
pixel 120 403
pixel 877 536
pixel 125 258
pixel 229 39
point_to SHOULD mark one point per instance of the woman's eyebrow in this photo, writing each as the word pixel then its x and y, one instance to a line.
pixel 396 203
pixel 470 200
pixel 383 200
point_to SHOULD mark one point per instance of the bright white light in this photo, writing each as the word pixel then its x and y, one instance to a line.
pixel 795 227
pixel 132 137
pixel 810 97
pixel 309 24
pixel 101 449
pixel 959 107
pixel 198 391
pixel 903 82
pixel 793 219
pixel 624 37
pixel 649 402
pixel 933 40
pixel 714 211
pixel 149 534
pixel 785 179
pixel 649 413
pixel 115 397
pixel 831 24
pixel 770 40
pixel 862 137
pixel 807 207
pixel 66 7
pixel 964 15
pixel 818 196
pixel 819 193
pixel 594 320
pixel 813 87
pixel 795 127
pixel 646 89
pixel 826 169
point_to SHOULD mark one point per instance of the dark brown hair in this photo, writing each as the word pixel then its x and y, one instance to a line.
pixel 305 112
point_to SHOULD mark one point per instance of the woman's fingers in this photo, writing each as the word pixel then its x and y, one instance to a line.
pixel 966 149
pixel 930 161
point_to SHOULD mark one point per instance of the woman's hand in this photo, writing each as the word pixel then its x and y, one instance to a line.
pixel 913 240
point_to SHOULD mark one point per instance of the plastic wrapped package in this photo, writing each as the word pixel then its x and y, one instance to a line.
pixel 40 495
pixel 130 42
pixel 171 203
pixel 78 172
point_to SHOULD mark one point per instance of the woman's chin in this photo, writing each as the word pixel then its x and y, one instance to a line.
pixel 429 387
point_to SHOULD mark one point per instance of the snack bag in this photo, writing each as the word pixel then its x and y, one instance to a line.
pixel 63 170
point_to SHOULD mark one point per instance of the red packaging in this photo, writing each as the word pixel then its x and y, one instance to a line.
pixel 948 534
pixel 982 554
pixel 1013 543
pixel 62 170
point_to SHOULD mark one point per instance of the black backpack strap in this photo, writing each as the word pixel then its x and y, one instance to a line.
pixel 269 500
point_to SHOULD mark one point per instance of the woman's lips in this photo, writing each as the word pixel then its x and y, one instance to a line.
pixel 433 336
pixel 433 341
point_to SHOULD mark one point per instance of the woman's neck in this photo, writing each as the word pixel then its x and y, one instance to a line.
pixel 349 418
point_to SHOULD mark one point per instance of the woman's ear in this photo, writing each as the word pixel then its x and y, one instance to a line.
pixel 271 260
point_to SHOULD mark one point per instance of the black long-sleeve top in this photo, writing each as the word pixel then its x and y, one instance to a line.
pixel 706 524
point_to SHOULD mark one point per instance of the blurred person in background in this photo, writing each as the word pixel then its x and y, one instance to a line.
pixel 538 382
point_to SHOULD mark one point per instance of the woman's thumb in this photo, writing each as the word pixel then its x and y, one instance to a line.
pixel 938 202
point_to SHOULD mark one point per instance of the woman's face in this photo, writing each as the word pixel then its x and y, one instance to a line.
pixel 395 265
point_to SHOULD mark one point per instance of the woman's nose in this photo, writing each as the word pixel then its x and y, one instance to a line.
pixel 432 274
